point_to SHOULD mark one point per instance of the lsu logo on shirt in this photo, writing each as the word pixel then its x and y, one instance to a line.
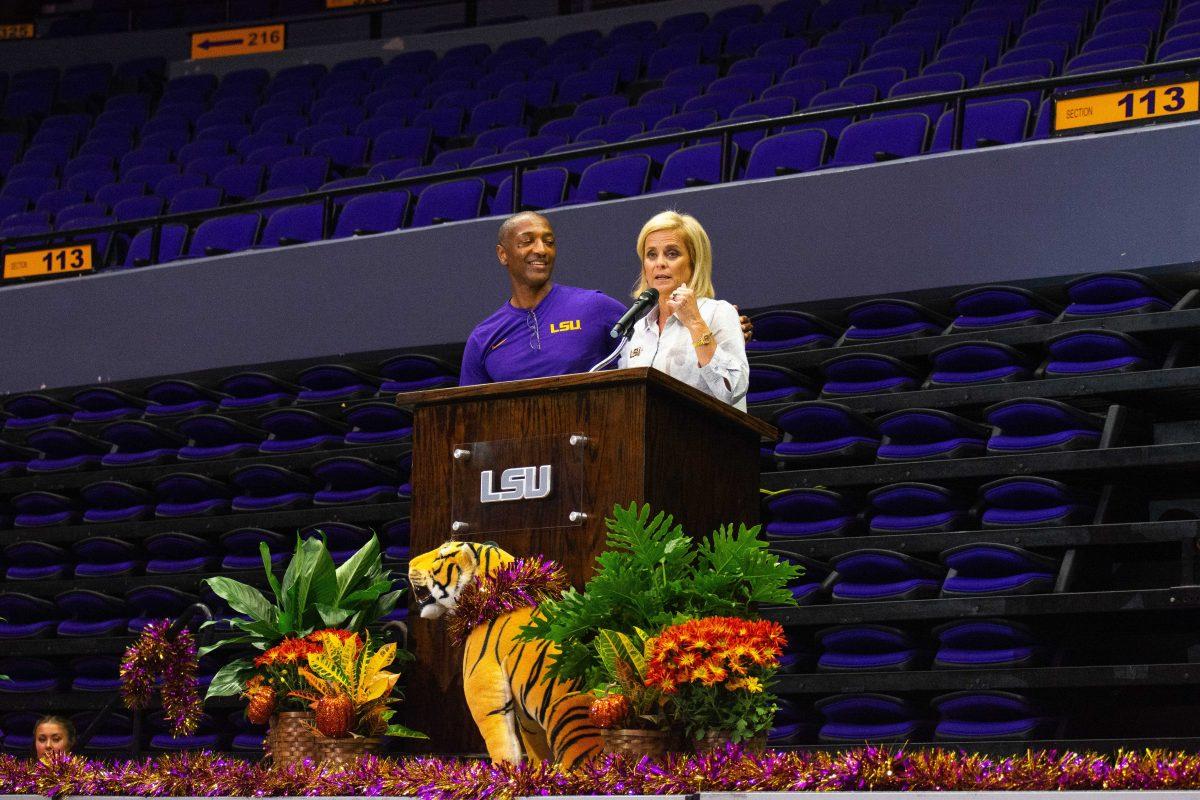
pixel 565 325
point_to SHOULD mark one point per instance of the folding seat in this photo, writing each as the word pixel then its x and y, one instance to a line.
pixel 28 676
pixel 770 383
pixel 246 737
pixel 907 59
pixel 984 125
pixel 771 61
pixel 62 449
pixel 987 307
pixel 858 718
pixel 624 176
pixel 884 575
pixel 706 42
pixel 342 539
pixel 105 148
pixel 402 142
pixel 23 616
pixel 970 363
pixel 584 85
pixel 151 175
pixel 986 644
pixel 114 501
pixel 266 487
pixel 309 171
pixel 224 133
pixel 88 182
pixel 924 84
pixel 224 235
pixel 377 423
pixel 343 116
pixel 446 122
pixel 1068 35
pixel 13 460
pixel 115 193
pixel 800 90
pixel 602 106
pixel 287 124
pixel 459 157
pixel 881 139
pixel 206 737
pixel 903 508
pixel 889 318
pixel 1090 352
pixel 241 547
pixel 214 118
pixel 96 673
pixel 1016 73
pixel 698 165
pixel 875 648
pixel 1151 18
pixel 1134 53
pixel 670 58
pixel 1054 52
pixel 27 219
pixel 28 188
pixel 810 513
pixel 78 211
pixel 1090 65
pixel 137 443
pixel 924 433
pixel 536 92
pixel 568 126
pixel 89 613
pixel 293 225
pixel 292 430
pixel 253 142
pixel 1180 30
pixel 977 570
pixel 1032 424
pixel 32 169
pixel 819 432
pixel 354 480
pixel 200 198
pixel 371 213
pixel 210 148
pixel 866 373
pixel 1135 37
pixel 174 397
pixel 447 202
pixel 1110 294
pixel 171 553
pixel 327 382
pixel 1176 49
pixel 169 249
pixel 497 139
pixel 1027 501
pixel 988 48
pixel 39 509
pixel 989 715
pixel 240 181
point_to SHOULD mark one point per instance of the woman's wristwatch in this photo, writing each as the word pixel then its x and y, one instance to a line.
pixel 708 337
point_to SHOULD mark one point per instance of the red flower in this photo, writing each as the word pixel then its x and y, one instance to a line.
pixel 712 651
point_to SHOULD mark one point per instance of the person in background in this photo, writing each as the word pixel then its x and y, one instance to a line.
pixel 53 733
pixel 545 328
pixel 691 336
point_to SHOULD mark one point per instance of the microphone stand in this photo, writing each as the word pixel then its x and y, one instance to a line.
pixel 611 357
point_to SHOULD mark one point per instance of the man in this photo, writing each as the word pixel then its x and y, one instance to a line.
pixel 545 328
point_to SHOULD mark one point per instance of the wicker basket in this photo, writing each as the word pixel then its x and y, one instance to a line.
pixel 345 753
pixel 715 740
pixel 636 743
pixel 291 738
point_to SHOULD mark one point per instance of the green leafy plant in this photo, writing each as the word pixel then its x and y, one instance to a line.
pixel 653 575
pixel 313 594
pixel 623 662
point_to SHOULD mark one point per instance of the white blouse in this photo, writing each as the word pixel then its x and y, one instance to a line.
pixel 726 376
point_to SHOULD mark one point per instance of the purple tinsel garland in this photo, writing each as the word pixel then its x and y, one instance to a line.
pixel 869 768
pixel 522 584
pixel 154 656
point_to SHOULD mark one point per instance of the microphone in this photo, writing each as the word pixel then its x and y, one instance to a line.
pixel 636 311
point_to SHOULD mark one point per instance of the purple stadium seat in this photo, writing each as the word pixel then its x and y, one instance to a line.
pixel 889 318
pixel 95 673
pixel 372 213
pixel 292 430
pixel 810 513
pixel 63 449
pixel 239 181
pixel 326 382
pixel 223 235
pixel 13 460
pixel 409 372
pixel 925 433
pixel 23 616
pixel 858 718
pixel 114 501
pixel 1000 306
pixel 818 432
pixel 624 176
pixel 785 329
pixel 214 436
pixel 881 139
pixel 187 495
pixel 293 225
pixel 969 363
pixel 377 423
pixel 1039 424
pixel 987 644
pixel 1027 501
pixel 171 553
pixel 978 570
pixel 137 443
pixel 354 480
pixel 698 165
pixel 916 508
pixel 866 373
pixel 242 548
pixel 853 648
pixel 41 509
pixel 265 487
pixel 770 383
pixel 170 246
pixel 924 84
pixel 90 614
pixel 1115 293
pixel 200 198
pixel 989 715
pixel 884 575
pixel 883 79
pixel 1096 351
pixel 447 202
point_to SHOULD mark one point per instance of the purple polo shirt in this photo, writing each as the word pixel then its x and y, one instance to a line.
pixel 566 332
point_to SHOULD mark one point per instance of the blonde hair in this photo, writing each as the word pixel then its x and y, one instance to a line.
pixel 695 240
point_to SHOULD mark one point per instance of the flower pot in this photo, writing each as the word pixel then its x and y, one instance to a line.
pixel 290 738
pixel 716 740
pixel 636 743
pixel 345 753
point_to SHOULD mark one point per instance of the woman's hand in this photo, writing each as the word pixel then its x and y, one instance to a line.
pixel 682 303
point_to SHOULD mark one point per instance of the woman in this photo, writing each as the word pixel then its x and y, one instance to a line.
pixel 690 336
pixel 53 734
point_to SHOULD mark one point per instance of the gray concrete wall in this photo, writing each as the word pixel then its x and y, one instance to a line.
pixel 1125 200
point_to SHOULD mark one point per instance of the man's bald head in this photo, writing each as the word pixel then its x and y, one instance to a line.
pixel 510 225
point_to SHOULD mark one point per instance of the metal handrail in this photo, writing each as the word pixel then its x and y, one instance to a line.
pixel 725 131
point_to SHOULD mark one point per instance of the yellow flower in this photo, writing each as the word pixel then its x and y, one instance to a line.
pixel 751 685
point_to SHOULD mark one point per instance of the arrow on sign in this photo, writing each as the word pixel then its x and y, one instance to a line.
pixel 210 43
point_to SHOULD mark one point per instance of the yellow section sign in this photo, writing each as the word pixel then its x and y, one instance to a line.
pixel 1132 104
pixel 44 263
pixel 239 41
pixel 19 31
pixel 331 4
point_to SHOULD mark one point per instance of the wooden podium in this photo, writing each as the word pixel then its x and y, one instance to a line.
pixel 536 465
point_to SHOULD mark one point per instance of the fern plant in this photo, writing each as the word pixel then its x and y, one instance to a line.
pixel 652 575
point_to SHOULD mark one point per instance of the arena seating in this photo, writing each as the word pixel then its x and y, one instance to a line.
pixel 80 154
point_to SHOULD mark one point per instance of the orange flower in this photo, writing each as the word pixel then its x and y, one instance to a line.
pixel 289 651
pixel 712 651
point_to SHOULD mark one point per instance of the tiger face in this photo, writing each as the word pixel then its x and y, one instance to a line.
pixel 439 576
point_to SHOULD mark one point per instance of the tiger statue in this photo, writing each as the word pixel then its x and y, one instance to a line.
pixel 517 708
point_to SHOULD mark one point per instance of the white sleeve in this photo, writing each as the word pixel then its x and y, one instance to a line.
pixel 727 374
